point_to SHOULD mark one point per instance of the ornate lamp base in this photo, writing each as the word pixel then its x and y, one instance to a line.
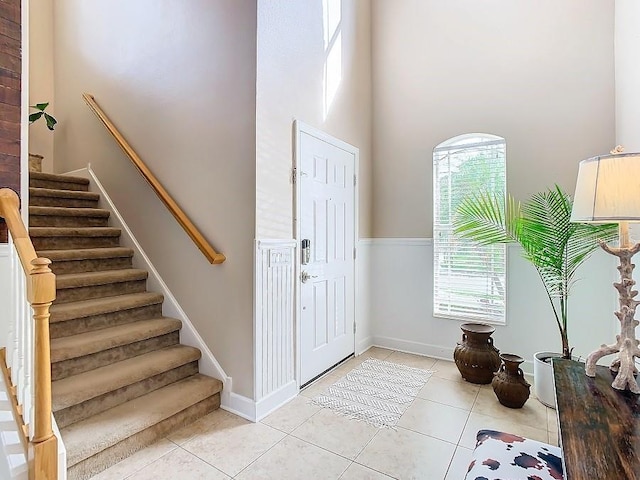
pixel 626 344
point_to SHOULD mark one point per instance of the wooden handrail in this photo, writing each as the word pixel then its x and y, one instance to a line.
pixel 197 237
pixel 41 292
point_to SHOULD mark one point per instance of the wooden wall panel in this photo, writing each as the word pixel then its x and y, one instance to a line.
pixel 10 69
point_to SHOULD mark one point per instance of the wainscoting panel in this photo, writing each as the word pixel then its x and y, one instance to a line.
pixel 274 319
pixel 401 304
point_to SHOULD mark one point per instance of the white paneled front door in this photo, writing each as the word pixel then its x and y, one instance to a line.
pixel 326 216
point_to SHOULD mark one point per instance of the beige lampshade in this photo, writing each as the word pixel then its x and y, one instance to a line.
pixel 608 189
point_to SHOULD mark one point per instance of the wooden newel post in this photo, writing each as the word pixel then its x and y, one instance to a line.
pixel 41 292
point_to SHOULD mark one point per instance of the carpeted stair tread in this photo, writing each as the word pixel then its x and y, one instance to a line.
pixel 69 212
pixel 56 193
pixel 86 253
pixel 86 279
pixel 121 378
pixel 83 344
pixel 99 432
pixel 97 306
pixel 85 386
pixel 54 177
pixel 74 232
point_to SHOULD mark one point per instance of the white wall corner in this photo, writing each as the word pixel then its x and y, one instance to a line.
pixel 363 345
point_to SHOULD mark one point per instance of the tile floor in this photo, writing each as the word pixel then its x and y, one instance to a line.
pixel 433 441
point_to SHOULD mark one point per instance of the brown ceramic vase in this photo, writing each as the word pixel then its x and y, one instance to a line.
pixel 476 357
pixel 509 383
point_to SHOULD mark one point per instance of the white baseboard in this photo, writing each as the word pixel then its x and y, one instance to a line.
pixel 433 351
pixel 240 405
pixel 407 346
pixel 275 400
pixel 364 345
pixel 256 411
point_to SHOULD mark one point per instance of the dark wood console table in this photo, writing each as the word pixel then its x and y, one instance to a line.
pixel 599 426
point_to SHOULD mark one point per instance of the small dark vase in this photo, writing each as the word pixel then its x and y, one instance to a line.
pixel 509 383
pixel 476 357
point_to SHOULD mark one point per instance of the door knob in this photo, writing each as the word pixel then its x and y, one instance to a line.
pixel 304 276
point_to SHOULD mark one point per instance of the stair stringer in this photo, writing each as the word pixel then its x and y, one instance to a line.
pixel 208 364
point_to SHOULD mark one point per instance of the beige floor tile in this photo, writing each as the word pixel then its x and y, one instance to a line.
pixel 232 444
pixel 405 454
pixel 449 392
pixel 435 419
pixel 410 360
pixel 533 413
pixel 447 370
pixel 553 439
pixel 295 459
pixel 292 415
pixel 376 352
pixel 137 461
pixel 349 365
pixel 552 420
pixel 320 385
pixel 360 472
pixel 459 464
pixel 204 424
pixel 336 433
pixel 478 421
pixel 179 464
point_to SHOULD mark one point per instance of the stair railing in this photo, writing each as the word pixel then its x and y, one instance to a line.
pixel 188 226
pixel 28 351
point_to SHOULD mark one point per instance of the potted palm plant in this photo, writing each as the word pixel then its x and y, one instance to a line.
pixel 35 160
pixel 550 242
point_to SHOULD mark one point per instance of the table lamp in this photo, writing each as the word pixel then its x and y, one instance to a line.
pixel 608 191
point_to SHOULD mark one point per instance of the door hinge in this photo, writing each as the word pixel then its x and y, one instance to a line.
pixel 354 180
pixel 294 174
pixel 354 327
pixel 354 253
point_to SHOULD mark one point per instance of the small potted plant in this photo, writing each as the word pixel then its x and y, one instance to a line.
pixel 550 242
pixel 35 160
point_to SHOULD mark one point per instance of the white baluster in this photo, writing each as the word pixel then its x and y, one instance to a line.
pixel 23 308
pixel 29 390
pixel 13 314
pixel 17 305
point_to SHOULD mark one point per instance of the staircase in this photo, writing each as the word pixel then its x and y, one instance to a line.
pixel 120 377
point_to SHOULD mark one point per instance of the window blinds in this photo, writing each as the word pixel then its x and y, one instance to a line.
pixel 469 280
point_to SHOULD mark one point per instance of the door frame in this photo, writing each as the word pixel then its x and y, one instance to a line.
pixel 299 128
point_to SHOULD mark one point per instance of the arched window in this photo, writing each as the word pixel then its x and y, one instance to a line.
pixel 468 280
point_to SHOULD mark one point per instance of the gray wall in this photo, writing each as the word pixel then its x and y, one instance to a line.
pixel 538 73
pixel 178 79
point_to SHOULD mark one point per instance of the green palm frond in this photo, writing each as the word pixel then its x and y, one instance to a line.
pixel 484 219
pixel 546 229
pixel 542 226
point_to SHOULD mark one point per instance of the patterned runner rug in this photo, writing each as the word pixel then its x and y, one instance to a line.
pixel 375 392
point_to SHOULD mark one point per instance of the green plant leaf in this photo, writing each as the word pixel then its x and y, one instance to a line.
pixel 542 226
pixel 483 219
pixel 34 116
pixel 51 122
pixel 40 106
